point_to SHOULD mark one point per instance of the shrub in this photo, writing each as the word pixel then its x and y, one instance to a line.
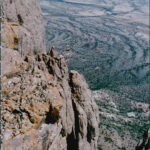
pixel 107 139
pixel 20 20
pixel 52 116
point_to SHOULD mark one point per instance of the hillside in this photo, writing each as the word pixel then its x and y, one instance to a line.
pixel 122 120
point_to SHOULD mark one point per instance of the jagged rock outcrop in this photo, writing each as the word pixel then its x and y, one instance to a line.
pixel 44 107
pixel 86 114
pixel 144 144
pixel 22 25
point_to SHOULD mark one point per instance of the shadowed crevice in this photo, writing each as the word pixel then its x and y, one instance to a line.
pixel 73 138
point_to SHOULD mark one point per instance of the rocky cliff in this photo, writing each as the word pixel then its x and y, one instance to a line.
pixel 144 144
pixel 44 107
pixel 23 28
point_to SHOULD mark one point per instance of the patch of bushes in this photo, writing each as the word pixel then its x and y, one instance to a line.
pixel 53 115
pixel 99 148
pixel 108 139
pixel 123 148
pixel 20 20
pixel 16 41
pixel 9 20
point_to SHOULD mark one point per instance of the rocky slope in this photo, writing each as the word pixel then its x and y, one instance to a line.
pixel 44 107
pixel 123 121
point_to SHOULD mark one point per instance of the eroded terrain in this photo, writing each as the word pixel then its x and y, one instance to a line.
pixel 108 42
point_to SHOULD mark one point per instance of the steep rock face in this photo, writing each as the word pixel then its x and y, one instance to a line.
pixel 86 113
pixel 43 107
pixel 23 27
pixel 144 144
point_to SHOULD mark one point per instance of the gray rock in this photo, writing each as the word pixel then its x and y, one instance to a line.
pixel 24 17
pixel 43 106
pixel 144 144
pixel 86 113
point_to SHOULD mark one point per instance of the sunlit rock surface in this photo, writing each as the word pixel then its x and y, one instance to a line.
pixel 43 104
pixel 23 27
pixel 44 107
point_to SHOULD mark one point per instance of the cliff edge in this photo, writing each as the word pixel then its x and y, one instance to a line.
pixel 44 107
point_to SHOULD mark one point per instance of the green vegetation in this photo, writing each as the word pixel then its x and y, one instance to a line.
pixel 108 139
pixel 123 148
pixel 99 148
pixel 20 20
pixel 9 20
pixel 35 51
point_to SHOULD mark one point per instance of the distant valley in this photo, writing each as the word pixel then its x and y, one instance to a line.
pixel 108 42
